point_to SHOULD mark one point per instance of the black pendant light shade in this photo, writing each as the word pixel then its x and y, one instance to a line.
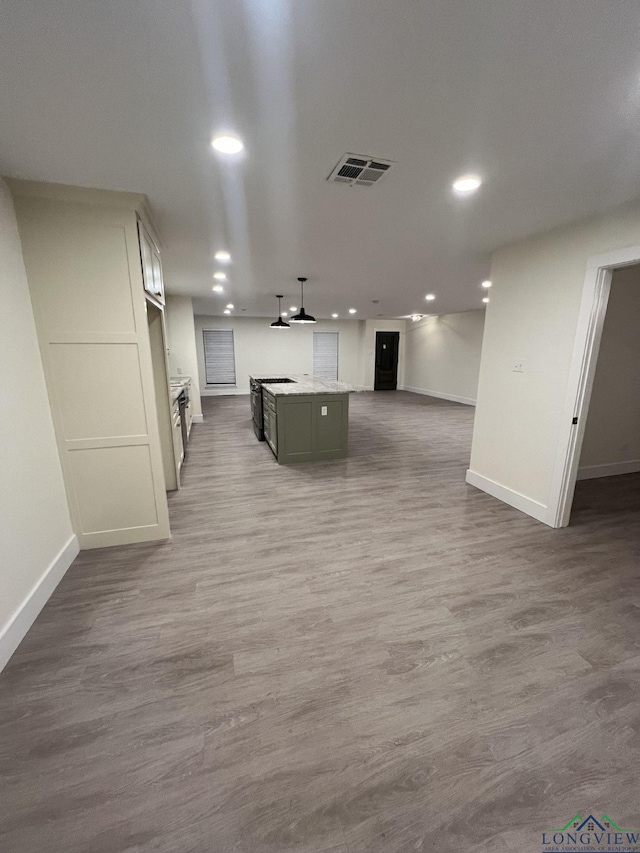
pixel 302 316
pixel 280 323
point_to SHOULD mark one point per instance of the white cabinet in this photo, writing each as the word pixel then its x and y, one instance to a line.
pixel 151 266
pixel 82 252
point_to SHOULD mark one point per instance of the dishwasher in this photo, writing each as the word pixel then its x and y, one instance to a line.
pixel 183 402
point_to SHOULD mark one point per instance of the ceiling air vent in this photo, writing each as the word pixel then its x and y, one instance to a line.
pixel 358 170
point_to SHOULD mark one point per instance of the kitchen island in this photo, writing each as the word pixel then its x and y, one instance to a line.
pixel 306 419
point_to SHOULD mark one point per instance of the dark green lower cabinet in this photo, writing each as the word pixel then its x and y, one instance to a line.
pixel 306 427
pixel 270 431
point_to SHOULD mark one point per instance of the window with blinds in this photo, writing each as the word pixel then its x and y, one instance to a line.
pixel 219 357
pixel 325 355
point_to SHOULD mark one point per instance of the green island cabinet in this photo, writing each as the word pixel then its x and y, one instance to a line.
pixel 306 427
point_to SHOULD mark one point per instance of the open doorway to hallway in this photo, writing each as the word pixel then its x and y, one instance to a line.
pixel 611 443
pixel 591 320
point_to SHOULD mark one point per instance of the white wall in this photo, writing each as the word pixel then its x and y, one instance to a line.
pixel 181 341
pixel 443 355
pixel 611 442
pixel 262 351
pixel 37 543
pixel 532 316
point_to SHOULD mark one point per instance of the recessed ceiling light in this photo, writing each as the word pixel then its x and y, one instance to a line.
pixel 227 144
pixel 284 314
pixel 220 276
pixel 466 184
pixel 226 311
pixel 430 297
pixel 334 316
pixel 352 310
pixel 293 308
pixel 230 305
pixel 218 288
pixel 485 299
pixel 222 256
pixel 486 283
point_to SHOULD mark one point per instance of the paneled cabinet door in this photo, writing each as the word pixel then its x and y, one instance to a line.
pixel 266 425
pixel 151 266
pixel 270 418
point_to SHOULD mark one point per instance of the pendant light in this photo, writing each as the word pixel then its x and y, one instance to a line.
pixel 279 323
pixel 302 316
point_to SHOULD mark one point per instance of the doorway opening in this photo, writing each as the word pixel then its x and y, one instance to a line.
pixel 611 441
pixel 386 370
pixel 596 292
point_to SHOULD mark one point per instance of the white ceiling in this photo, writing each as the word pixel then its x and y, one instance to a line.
pixel 540 97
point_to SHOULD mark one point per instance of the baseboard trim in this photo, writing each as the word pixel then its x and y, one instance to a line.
pixel 124 536
pixel 610 469
pixel 197 419
pixel 13 633
pixel 468 401
pixel 509 496
pixel 223 392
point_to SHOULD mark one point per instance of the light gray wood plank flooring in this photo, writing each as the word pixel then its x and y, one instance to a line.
pixel 356 656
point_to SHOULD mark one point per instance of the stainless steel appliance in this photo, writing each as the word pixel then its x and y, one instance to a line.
pixel 183 402
pixel 256 403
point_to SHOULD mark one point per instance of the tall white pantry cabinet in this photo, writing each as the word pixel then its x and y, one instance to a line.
pixel 82 253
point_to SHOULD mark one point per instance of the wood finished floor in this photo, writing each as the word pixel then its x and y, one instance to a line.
pixel 356 656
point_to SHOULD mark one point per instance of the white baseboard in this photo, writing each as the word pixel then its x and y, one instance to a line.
pixel 197 419
pixel 222 392
pixel 509 496
pixel 611 469
pixel 468 401
pixel 12 634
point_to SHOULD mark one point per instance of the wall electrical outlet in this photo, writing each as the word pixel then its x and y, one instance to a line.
pixel 179 371
pixel 518 366
pixel 323 410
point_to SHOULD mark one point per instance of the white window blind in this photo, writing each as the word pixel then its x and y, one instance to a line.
pixel 325 355
pixel 219 358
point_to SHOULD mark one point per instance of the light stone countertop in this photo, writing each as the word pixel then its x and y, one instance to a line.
pixel 176 384
pixel 306 384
